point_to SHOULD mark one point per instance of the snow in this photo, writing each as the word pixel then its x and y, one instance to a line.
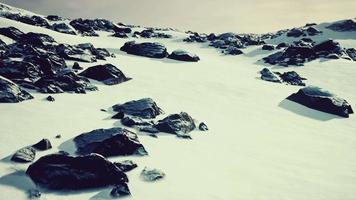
pixel 260 146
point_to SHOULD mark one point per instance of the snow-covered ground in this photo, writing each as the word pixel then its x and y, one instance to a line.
pixel 259 146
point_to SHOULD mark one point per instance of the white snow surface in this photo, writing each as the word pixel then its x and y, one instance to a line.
pixel 259 146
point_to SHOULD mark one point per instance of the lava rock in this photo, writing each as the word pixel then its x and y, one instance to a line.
pixel 108 74
pixel 24 155
pixel 60 172
pixel 322 100
pixel 43 145
pixel 126 165
pixel 146 49
pixel 152 174
pixel 179 124
pixel 292 78
pixel 342 26
pixel 267 75
pixel 109 142
pixel 268 47
pixel 11 93
pixel 145 108
pixel 120 191
pixel 11 32
pixel 183 56
pixel 203 127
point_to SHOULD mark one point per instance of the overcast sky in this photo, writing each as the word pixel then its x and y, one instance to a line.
pixel 200 15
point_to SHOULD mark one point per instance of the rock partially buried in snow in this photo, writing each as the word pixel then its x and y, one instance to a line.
pixel 183 56
pixel 344 25
pixel 59 172
pixel 126 165
pixel 109 142
pixel 11 32
pixel 43 145
pixel 144 108
pixel 322 100
pixel 24 155
pixel 11 93
pixel 120 191
pixel 147 49
pixel 108 74
pixel 292 78
pixel 151 175
pixel 180 124
pixel 134 121
pixel 267 75
pixel 203 127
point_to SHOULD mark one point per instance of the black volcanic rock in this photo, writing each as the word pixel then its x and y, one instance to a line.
pixel 31 20
pixel 342 26
pixel 54 18
pixel 109 142
pixel 11 93
pixel 352 53
pixel 268 47
pixel 203 127
pixel 292 78
pixel 183 56
pixel 150 33
pixel 327 47
pixel 108 74
pixel 146 49
pixel 134 121
pixel 62 172
pixel 120 191
pixel 24 155
pixel 282 45
pixel 144 108
pixel 11 32
pixel 50 98
pixel 36 39
pixel 319 99
pixel 120 35
pixel 12 69
pixel 295 32
pixel 312 31
pixel 63 28
pixel 83 27
pixel 293 55
pixel 126 165
pixel 76 66
pixel 179 124
pixel 232 51
pixel 267 75
pixel 75 53
pixel 42 145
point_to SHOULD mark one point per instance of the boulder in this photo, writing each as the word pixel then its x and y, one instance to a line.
pixel 107 73
pixel 322 100
pixel 344 25
pixel 11 32
pixel 126 165
pixel 63 28
pixel 312 31
pixel 11 93
pixel 109 142
pixel 146 49
pixel 232 51
pixel 83 27
pixel 149 129
pixel 75 53
pixel 150 33
pixel 120 191
pixel 295 32
pixel 145 108
pixel 183 56
pixel 268 47
pixel 37 39
pixel 43 145
pixel 64 172
pixel 327 47
pixel 292 78
pixel 267 75
pixel 352 53
pixel 134 121
pixel 179 124
pixel 152 174
pixel 282 45
pixel 24 155
pixel 293 55
pixel 13 69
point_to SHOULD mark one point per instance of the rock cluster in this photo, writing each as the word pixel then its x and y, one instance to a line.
pixel 291 77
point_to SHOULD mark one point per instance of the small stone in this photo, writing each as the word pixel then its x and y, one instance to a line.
pixel 43 145
pixel 126 165
pixel 58 136
pixel 151 175
pixel 24 155
pixel 120 191
pixel 118 115
pixel 203 127
pixel 50 98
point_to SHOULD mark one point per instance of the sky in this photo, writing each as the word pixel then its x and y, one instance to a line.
pixel 241 16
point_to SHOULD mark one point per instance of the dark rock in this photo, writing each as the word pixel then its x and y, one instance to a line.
pixel 83 27
pixel 196 37
pixel 212 37
pixel 149 129
pixel 152 174
pixel 203 127
pixel 75 53
pixel 24 155
pixel 19 70
pixel 183 56
pixel 295 32
pixel 267 75
pixel 54 18
pixel 63 28
pixel 126 165
pixel 150 33
pixel 25 84
pixel 268 47
pixel 120 35
pixel 77 66
pixel 232 51
pixel 109 142
pixel 319 99
pixel 36 39
pixel 144 108
pixel 58 136
pixel 179 124
pixel 352 53
pixel 342 26
pixel 43 145
pixel 108 74
pixel 282 45
pixel 118 115
pixel 332 56
pixel 11 32
pixel 310 24
pixel 31 20
pixel 134 121
pixel 293 55
pixel 292 78
pixel 3 46
pixel 34 194
pixel 312 31
pixel 147 49
pixel 48 64
pixel 60 172
pixel 65 81
pixel 120 191
pixel 327 47
pixel 11 93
